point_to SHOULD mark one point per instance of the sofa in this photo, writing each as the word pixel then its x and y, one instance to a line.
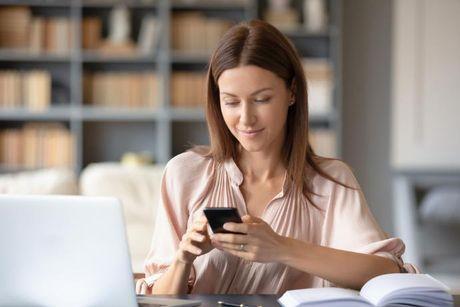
pixel 136 186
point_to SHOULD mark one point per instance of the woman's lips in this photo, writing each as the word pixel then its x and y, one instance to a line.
pixel 250 133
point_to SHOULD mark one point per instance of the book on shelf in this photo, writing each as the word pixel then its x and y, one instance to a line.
pixel 149 34
pixel 91 32
pixel 121 89
pixel 14 26
pixel 320 85
pixel 37 35
pixel 25 89
pixel 193 32
pixel 188 89
pixel 36 145
pixel 58 35
pixel 399 289
pixel 20 30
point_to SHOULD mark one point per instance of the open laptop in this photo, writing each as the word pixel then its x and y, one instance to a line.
pixel 64 251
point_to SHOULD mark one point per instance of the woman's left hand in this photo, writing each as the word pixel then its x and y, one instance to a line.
pixel 258 242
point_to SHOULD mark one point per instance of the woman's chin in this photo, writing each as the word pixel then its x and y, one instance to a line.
pixel 252 147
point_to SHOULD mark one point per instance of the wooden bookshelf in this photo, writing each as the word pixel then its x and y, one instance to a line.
pixel 101 133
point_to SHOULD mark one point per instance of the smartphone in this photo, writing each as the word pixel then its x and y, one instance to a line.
pixel 218 216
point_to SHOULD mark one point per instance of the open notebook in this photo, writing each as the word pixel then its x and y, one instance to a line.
pixel 389 289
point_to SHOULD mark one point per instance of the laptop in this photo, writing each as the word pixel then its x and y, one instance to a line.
pixel 65 251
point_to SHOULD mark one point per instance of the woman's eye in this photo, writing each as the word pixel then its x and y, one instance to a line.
pixel 262 100
pixel 230 102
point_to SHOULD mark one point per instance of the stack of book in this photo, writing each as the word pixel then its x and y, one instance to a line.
pixel 31 89
pixel 320 84
pixel 193 32
pixel 36 145
pixel 188 89
pixel 19 30
pixel 121 89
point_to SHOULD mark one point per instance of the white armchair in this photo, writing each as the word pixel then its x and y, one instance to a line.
pixel 138 188
pixel 426 214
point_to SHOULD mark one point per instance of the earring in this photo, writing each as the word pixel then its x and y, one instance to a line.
pixel 291 102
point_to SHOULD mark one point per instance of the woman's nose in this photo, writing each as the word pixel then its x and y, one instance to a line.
pixel 247 116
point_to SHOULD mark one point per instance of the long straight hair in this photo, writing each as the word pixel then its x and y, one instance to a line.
pixel 258 43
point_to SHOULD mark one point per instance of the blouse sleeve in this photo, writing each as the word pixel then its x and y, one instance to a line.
pixel 182 181
pixel 350 225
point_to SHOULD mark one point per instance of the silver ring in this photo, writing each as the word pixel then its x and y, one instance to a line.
pixel 241 247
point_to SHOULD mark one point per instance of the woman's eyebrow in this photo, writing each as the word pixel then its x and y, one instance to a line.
pixel 254 93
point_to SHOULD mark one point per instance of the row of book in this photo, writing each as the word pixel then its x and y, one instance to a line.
pixel 194 32
pixel 36 145
pixel 32 89
pixel 188 89
pixel 121 89
pixel 25 89
pixel 20 30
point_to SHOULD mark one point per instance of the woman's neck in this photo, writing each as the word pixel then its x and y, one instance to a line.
pixel 261 166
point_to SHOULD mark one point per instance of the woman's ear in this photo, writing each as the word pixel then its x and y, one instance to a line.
pixel 292 92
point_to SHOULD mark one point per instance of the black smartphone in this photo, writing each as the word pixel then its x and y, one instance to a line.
pixel 218 216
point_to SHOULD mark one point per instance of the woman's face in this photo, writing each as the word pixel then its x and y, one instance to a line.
pixel 254 104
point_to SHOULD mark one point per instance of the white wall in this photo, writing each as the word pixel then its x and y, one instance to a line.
pixel 366 100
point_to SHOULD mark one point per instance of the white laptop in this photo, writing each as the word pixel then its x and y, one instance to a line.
pixel 64 251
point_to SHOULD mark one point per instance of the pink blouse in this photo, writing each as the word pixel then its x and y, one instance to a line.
pixel 341 219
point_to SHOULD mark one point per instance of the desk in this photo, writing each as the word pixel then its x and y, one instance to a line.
pixel 256 300
pixel 211 300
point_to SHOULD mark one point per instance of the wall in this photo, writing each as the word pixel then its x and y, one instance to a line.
pixel 366 100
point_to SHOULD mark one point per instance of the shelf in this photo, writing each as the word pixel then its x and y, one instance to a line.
pixel 96 57
pixel 304 33
pixel 7 169
pixel 322 118
pixel 25 56
pixel 118 114
pixel 37 3
pixel 135 4
pixel 187 114
pixel 210 4
pixel 103 133
pixel 184 57
pixel 20 114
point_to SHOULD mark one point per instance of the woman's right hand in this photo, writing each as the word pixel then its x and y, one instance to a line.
pixel 195 242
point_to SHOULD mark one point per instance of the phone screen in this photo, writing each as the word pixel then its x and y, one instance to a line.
pixel 218 216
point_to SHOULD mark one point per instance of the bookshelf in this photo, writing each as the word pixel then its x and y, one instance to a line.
pixel 101 132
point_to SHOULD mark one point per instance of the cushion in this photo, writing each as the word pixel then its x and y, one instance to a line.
pixel 45 181
pixel 441 205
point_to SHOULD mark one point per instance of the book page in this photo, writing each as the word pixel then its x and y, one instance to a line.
pixel 376 289
pixel 320 295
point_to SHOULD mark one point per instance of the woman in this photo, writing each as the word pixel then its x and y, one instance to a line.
pixel 305 220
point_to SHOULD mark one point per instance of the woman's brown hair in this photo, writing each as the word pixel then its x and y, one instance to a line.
pixel 258 43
